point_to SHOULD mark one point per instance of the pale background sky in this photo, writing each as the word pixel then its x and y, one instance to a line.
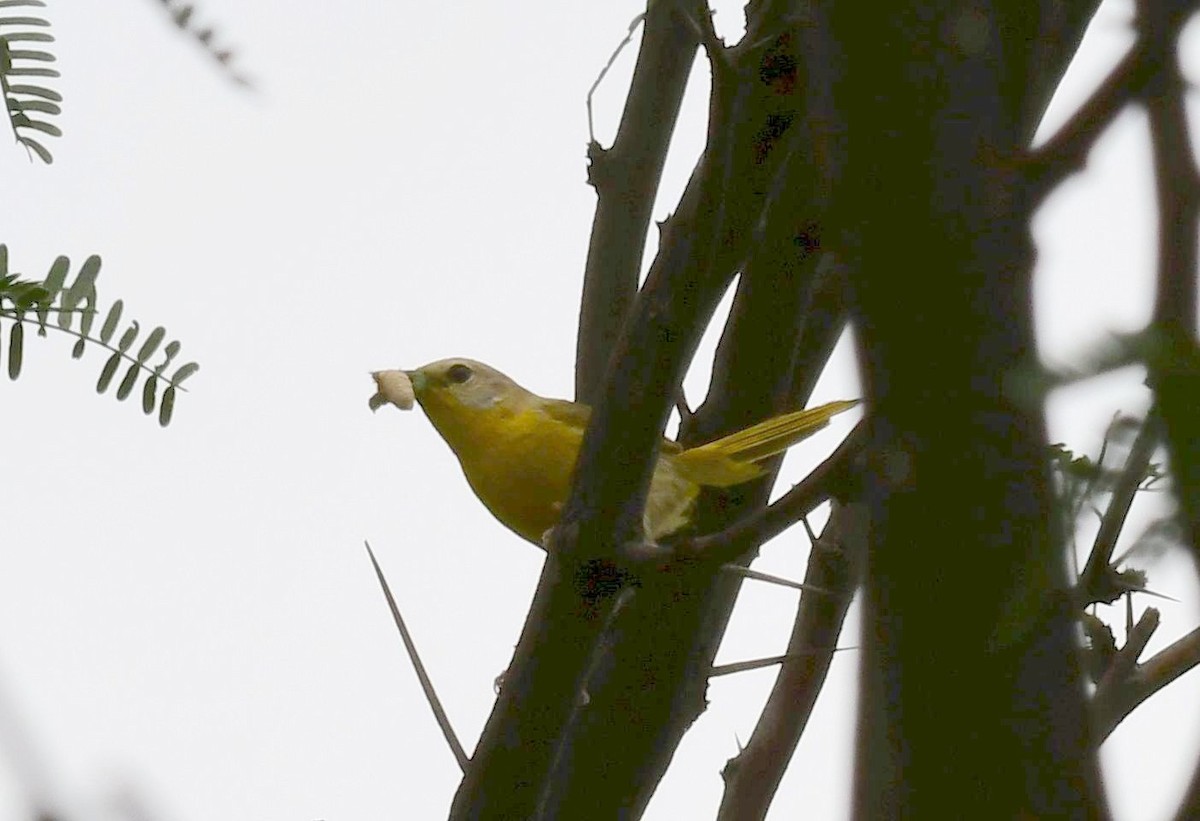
pixel 187 616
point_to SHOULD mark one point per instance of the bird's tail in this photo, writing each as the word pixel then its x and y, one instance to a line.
pixel 733 459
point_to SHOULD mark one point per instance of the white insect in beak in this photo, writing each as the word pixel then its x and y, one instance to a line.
pixel 394 388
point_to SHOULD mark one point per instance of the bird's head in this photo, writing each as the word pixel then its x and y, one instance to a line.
pixel 460 396
pixel 463 382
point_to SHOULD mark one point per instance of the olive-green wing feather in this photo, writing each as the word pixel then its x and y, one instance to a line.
pixel 776 435
pixel 577 415
pixel 732 459
pixel 569 413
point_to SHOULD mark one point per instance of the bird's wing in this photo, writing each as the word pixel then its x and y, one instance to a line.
pixel 569 413
pixel 733 459
pixel 775 435
pixel 577 415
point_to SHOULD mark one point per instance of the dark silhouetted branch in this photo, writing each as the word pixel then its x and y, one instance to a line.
pixel 830 478
pixel 1120 694
pixel 757 664
pixel 612 752
pixel 1123 687
pixel 758 575
pixel 626 178
pixel 1066 152
pixel 1061 25
pixel 601 660
pixel 964 549
pixel 752 778
pixel 1175 367
pixel 1097 581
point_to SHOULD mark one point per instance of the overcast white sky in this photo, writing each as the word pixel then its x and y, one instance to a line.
pixel 187 616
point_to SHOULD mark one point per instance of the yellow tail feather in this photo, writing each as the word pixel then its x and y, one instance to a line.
pixel 732 459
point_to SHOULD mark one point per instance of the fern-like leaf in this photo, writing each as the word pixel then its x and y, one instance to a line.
pixel 126 386
pixel 111 321
pixel 16 349
pixel 151 344
pixel 184 372
pixel 183 16
pixel 149 395
pixel 53 295
pixel 53 284
pixel 127 338
pixel 167 407
pixel 169 354
pixel 108 372
pixel 29 106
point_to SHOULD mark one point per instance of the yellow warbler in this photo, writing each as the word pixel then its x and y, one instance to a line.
pixel 518 450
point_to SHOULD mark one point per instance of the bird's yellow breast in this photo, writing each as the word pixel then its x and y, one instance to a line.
pixel 521 467
pixel 520 464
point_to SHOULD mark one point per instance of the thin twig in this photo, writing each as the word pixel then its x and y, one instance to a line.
pixel 759 576
pixel 1065 152
pixel 1095 582
pixel 633 24
pixel 410 647
pixel 758 664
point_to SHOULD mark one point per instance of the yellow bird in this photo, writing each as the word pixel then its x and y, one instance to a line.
pixel 518 450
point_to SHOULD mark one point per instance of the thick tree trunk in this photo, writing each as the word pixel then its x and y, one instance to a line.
pixel 971 697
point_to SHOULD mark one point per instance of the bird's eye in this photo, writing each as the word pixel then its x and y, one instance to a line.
pixel 458 373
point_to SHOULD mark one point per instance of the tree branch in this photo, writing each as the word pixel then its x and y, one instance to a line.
pixel 1096 582
pixel 752 778
pixel 1122 688
pixel 1061 28
pixel 626 178
pixel 1066 152
pixel 1175 368
pixel 664 660
pixel 736 667
pixel 829 479
pixel 776 342
pixel 1122 696
pixel 617 748
pixel 655 346
pixel 601 660
pixel 701 246
pixel 926 119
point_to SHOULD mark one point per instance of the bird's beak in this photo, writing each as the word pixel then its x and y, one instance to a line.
pixel 418 379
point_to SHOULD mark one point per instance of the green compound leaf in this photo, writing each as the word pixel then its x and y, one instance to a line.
pixel 16 346
pixel 149 395
pixel 184 372
pixel 151 344
pixel 111 321
pixel 167 407
pixel 108 372
pixel 126 386
pixel 127 338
